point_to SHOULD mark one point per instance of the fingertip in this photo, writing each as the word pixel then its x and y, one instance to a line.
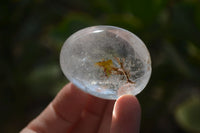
pixel 126 115
pixel 129 102
pixel 126 104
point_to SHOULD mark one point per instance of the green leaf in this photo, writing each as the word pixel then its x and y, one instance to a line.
pixel 188 114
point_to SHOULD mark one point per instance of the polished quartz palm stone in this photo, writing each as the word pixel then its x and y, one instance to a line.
pixel 106 61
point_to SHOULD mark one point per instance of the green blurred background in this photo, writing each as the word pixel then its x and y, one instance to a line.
pixel 33 31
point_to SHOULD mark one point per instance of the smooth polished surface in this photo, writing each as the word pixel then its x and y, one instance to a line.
pixel 106 61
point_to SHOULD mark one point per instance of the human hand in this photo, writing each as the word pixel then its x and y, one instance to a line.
pixel 74 111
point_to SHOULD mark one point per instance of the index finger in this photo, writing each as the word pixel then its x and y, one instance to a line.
pixel 61 113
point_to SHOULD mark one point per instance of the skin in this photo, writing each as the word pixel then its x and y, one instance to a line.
pixel 73 111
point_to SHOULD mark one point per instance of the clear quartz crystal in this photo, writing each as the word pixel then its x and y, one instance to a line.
pixel 106 61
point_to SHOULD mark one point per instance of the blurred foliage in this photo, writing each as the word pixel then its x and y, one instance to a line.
pixel 33 31
pixel 187 114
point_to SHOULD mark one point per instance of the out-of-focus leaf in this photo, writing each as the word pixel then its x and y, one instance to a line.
pixel 176 60
pixel 187 114
pixel 127 21
pixel 194 51
pixel 146 10
pixel 70 24
pixel 57 34
pixel 42 78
